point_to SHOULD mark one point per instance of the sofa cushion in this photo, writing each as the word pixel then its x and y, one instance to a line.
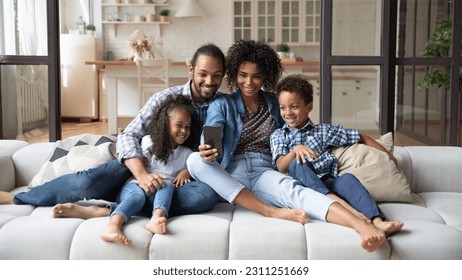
pixel 74 154
pixel 379 175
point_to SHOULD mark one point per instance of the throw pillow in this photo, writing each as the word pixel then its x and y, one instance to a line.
pixel 379 175
pixel 74 154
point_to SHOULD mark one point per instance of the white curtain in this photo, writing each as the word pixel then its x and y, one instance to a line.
pixel 32 27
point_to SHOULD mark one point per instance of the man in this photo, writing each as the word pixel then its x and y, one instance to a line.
pixel 207 69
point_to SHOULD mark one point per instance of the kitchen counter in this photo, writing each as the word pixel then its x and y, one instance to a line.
pixel 121 81
pixel 126 63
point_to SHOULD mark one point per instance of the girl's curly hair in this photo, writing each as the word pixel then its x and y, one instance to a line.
pixel 257 52
pixel 158 127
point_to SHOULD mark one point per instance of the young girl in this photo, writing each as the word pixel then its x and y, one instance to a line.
pixel 174 130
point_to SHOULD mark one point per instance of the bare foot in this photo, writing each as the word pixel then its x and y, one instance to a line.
pixel 6 197
pixel 72 210
pixel 157 225
pixel 389 227
pixel 113 233
pixel 372 237
pixel 296 215
pixel 348 206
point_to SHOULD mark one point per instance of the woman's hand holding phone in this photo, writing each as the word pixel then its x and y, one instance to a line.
pixel 212 148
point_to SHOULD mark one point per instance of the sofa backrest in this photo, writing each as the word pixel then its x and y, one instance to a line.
pixel 431 168
pixel 28 161
pixel 7 149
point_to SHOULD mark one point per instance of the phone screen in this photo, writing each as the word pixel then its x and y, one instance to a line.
pixel 212 137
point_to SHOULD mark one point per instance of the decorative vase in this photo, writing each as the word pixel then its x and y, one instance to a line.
pixel 136 57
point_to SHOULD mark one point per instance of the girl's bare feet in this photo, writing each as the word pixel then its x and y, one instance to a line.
pixel 157 225
pixel 296 215
pixel 158 222
pixel 6 198
pixel 389 227
pixel 113 233
pixel 72 210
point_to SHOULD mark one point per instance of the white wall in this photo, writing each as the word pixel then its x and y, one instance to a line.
pixel 180 38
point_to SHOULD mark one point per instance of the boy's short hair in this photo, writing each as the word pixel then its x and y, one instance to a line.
pixel 296 83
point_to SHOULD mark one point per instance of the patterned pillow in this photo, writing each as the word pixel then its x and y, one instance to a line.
pixel 74 154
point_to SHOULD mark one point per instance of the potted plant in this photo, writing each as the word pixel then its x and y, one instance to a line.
pixel 164 15
pixel 91 29
pixel 282 50
pixel 440 45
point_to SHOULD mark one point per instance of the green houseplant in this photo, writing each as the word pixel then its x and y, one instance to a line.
pixel 440 45
pixel 164 15
pixel 282 49
pixel 91 29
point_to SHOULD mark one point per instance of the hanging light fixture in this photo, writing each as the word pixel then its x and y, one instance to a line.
pixel 190 9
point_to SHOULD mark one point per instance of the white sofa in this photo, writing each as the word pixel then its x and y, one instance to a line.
pixel 433 221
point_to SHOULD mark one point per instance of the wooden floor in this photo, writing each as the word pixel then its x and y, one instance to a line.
pixel 68 129
pixel 76 128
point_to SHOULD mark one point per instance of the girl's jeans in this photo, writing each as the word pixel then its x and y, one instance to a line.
pixel 134 201
pixel 255 171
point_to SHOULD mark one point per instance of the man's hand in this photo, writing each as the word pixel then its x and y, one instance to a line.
pixel 149 182
pixel 207 153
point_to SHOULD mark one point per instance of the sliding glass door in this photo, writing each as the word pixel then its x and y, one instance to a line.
pixel 29 72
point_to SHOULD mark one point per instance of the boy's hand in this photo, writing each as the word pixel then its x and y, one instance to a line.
pixel 302 152
pixel 207 153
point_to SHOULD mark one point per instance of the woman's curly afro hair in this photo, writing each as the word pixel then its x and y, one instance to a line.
pixel 259 53
pixel 158 127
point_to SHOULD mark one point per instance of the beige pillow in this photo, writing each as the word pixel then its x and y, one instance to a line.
pixel 379 175
pixel 74 154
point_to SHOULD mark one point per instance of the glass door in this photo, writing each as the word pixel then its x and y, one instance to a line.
pixel 29 76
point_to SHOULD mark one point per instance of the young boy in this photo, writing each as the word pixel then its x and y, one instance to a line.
pixel 303 150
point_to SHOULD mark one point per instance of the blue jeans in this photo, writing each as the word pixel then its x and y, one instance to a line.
pixel 105 182
pixel 134 201
pixel 101 182
pixel 255 172
pixel 346 186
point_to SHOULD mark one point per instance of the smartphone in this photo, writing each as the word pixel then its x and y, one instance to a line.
pixel 212 137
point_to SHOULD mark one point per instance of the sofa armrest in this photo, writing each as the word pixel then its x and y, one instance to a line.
pixel 7 149
pixel 431 168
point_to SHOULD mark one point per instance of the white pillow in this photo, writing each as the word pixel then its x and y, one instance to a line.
pixel 74 154
pixel 379 175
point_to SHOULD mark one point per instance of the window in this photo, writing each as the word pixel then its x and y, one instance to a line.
pixel 296 22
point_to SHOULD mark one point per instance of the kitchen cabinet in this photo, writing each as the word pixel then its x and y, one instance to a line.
pixel 131 13
pixel 295 22
pixel 355 97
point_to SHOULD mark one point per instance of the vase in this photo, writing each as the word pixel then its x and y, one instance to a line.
pixel 136 57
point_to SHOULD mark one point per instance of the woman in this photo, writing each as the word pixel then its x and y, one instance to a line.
pixel 244 175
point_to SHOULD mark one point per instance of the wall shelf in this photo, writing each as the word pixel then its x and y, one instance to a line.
pixel 135 22
pixel 133 5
